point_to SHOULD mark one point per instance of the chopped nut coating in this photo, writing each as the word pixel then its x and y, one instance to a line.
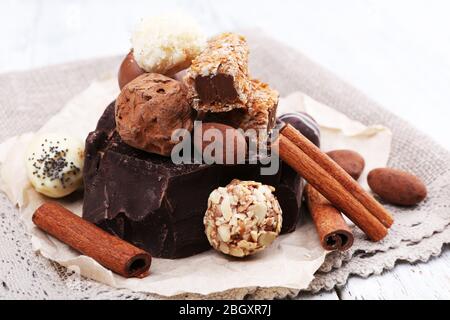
pixel 242 218
pixel 218 77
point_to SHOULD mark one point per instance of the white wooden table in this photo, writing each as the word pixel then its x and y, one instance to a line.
pixel 398 52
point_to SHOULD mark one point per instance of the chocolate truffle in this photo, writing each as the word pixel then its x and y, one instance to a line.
pixel 129 70
pixel 149 109
pixel 242 218
pixel 231 144
pixel 159 206
pixel 304 123
pixel 54 163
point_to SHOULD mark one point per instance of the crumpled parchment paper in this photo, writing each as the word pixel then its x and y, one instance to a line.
pixel 290 262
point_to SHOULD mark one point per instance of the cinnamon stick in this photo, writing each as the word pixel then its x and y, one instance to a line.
pixel 331 189
pixel 333 231
pixel 339 174
pixel 85 237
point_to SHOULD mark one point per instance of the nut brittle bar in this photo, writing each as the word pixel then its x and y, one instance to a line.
pixel 261 107
pixel 218 77
pixel 259 114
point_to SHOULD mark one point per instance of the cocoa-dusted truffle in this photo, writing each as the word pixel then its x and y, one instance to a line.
pixel 149 109
pixel 242 218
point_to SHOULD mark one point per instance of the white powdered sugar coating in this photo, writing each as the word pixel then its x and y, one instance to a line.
pixel 167 44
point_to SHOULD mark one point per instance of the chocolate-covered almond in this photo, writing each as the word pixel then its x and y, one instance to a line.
pixel 231 143
pixel 352 162
pixel 129 70
pixel 396 186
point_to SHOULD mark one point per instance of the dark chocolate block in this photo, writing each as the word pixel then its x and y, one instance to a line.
pixel 147 200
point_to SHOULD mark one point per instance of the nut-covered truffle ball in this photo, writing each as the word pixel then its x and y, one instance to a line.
pixel 242 218
pixel 149 109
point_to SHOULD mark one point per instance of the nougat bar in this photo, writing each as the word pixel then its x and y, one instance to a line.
pixel 261 108
pixel 218 77
pixel 259 114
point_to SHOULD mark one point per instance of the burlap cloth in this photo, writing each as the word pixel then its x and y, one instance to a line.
pixel 28 99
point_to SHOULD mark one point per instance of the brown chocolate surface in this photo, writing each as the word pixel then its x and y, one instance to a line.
pixel 305 124
pixel 158 206
pixel 218 88
pixel 260 113
pixel 129 70
pixel 149 109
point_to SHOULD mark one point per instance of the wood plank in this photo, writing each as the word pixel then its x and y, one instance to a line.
pixel 327 295
pixel 50 32
pixel 429 280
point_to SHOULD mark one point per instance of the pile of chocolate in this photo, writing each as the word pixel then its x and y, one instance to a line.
pixel 144 183
pixel 132 187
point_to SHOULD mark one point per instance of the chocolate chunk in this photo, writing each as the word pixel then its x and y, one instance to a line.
pixel 220 87
pixel 158 206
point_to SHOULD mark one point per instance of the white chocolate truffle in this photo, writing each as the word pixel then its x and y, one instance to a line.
pixel 168 43
pixel 242 218
pixel 55 163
